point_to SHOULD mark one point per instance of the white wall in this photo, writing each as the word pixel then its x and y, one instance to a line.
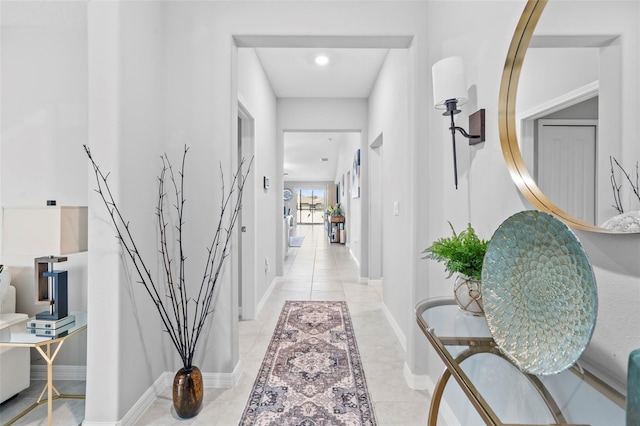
pixel 199 108
pixel 162 75
pixel 487 196
pixel 44 124
pixel 127 350
pixel 344 172
pixel 255 90
pixel 332 115
pixel 389 116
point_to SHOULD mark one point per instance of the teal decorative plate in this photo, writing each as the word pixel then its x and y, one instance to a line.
pixel 539 293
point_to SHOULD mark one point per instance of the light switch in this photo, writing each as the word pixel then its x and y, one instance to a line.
pixel 395 209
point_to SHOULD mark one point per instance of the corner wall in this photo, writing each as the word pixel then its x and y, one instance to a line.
pixel 127 349
pixel 389 116
pixel 43 126
pixel 255 90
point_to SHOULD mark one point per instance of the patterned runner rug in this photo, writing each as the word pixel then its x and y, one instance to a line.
pixel 312 373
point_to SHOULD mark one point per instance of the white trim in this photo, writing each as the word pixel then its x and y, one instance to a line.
pixel 247 130
pixel 357 41
pixel 362 280
pixel 375 282
pixel 525 120
pixel 164 381
pixel 60 372
pixel 86 423
pixel 448 415
pixel 424 382
pixel 218 380
pixel 418 381
pixel 396 328
pixel 568 99
pixel 355 259
pixel 144 402
pixel 267 293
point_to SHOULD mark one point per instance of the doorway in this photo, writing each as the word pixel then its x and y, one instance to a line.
pixel 573 121
pixel 246 270
pixel 565 166
pixel 310 206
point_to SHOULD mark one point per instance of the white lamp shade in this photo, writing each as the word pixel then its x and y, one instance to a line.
pixel 449 81
pixel 43 231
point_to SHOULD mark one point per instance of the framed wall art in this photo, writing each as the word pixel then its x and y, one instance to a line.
pixel 355 176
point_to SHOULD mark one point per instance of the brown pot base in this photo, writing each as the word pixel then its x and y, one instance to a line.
pixel 187 392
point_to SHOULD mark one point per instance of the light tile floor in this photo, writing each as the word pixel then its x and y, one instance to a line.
pixel 316 271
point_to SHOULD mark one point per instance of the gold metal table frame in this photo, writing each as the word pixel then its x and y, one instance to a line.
pixel 48 347
pixel 484 344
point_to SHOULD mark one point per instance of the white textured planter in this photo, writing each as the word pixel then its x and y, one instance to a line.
pixel 468 294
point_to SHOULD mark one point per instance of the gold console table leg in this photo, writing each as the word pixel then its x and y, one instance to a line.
pixel 49 388
pixel 438 391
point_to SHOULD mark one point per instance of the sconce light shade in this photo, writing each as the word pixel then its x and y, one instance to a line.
pixel 449 82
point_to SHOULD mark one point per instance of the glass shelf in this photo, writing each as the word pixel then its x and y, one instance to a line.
pixel 19 335
pixel 499 393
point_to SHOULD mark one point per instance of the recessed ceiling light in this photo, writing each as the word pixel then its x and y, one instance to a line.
pixel 322 60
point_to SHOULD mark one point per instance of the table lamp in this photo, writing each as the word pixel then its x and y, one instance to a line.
pixel 56 230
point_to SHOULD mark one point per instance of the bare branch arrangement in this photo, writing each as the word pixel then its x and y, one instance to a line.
pixel 635 186
pixel 183 317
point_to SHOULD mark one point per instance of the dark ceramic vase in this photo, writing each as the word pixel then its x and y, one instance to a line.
pixel 187 392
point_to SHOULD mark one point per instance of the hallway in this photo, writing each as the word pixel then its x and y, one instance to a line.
pixel 316 271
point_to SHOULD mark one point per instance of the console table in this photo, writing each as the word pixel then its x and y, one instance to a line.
pixel 48 347
pixel 574 396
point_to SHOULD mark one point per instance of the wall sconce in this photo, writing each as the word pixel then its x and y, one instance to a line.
pixel 449 92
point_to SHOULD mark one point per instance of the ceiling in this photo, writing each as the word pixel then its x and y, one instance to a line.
pixel 311 156
pixel 293 73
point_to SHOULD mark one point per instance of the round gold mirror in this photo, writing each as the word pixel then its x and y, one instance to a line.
pixel 525 169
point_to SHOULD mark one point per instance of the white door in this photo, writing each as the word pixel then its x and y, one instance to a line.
pixel 246 220
pixel 566 165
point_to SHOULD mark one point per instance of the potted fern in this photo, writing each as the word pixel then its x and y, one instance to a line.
pixel 462 253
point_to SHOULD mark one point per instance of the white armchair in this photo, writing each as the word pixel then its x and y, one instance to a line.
pixel 15 363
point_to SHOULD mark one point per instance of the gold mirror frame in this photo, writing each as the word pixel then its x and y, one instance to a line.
pixel 507 120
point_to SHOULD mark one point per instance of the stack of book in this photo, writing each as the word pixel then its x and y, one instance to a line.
pixel 50 328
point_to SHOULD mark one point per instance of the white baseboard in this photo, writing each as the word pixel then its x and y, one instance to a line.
pixel 375 282
pixel 267 293
pixel 424 382
pixel 418 381
pixel 60 372
pixel 448 415
pixel 220 380
pixel 210 380
pixel 396 328
pixel 145 401
pixel 355 259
